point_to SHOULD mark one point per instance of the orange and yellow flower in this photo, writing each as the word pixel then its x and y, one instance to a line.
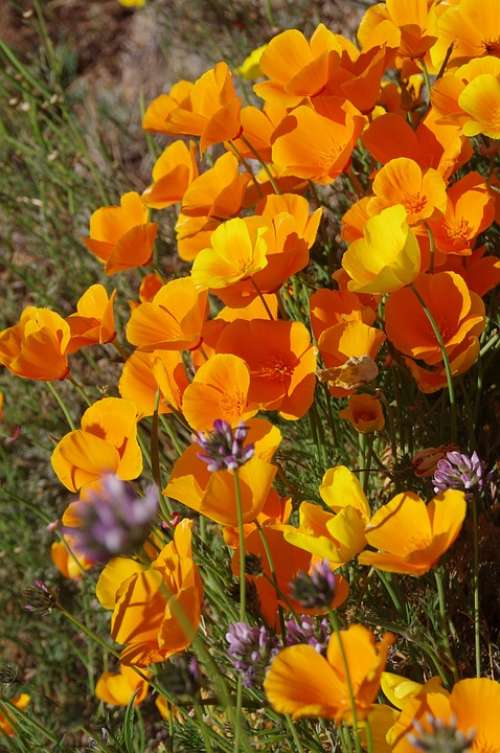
pixel 106 443
pixel 37 346
pixel 301 682
pixel 94 322
pixel 121 236
pixel 411 536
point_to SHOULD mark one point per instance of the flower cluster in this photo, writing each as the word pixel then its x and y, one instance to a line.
pixel 270 354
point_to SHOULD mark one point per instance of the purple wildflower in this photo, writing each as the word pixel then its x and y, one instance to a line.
pixel 442 738
pixel 39 598
pixel 250 650
pixel 306 629
pixel 458 471
pixel 114 520
pixel 223 448
pixel 314 590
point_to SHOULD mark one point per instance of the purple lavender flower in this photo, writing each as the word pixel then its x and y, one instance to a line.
pixel 306 629
pixel 459 471
pixel 250 651
pixel 114 520
pixel 314 590
pixel 442 738
pixel 223 447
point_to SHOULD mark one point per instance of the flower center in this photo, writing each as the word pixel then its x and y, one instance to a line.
pixel 276 370
pixel 492 46
pixel 459 230
pixel 414 203
pixel 232 404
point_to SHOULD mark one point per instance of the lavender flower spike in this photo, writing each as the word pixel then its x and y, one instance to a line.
pixel 315 590
pixel 305 629
pixel 250 651
pixel 459 471
pixel 223 448
pixel 113 521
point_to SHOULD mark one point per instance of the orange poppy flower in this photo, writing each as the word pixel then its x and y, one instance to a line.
pixel 290 233
pixel 173 320
pixel 470 210
pixel 143 600
pixel 480 272
pixel 387 258
pixel 158 110
pixel 330 307
pixel 458 312
pixel 473 28
pixel 323 158
pixel 118 688
pixel 276 510
pixel 337 536
pixel 364 412
pixel 407 27
pixel 480 100
pixel 329 64
pixel 411 536
pixel 21 702
pixel 106 443
pixel 349 350
pixel 401 181
pixel 94 322
pixel 432 144
pixel 296 68
pixel 174 170
pixel 237 251
pixel 302 682
pixel 144 374
pixel 281 361
pixel 63 556
pixel 257 130
pixel 471 707
pixel 219 390
pixel 209 108
pixel 216 195
pixel 213 494
pixel 150 285
pixel 121 237
pixel 36 347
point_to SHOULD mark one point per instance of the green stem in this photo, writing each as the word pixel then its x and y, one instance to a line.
pixel 446 361
pixel 171 433
pixel 264 165
pixel 274 579
pixel 335 625
pixel 241 537
pixel 264 302
pixel 475 586
pixel 390 590
pixel 202 726
pixel 248 168
pixel 294 734
pixel 62 405
pixel 438 576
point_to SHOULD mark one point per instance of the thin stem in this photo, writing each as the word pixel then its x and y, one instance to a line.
pixel 294 734
pixel 171 433
pixel 390 590
pixel 79 388
pixel 247 168
pixel 62 405
pixel 444 621
pixel 446 361
pixel 335 625
pixel 264 165
pixel 202 726
pixel 475 586
pixel 369 735
pixel 261 296
pixel 274 579
pixel 241 536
